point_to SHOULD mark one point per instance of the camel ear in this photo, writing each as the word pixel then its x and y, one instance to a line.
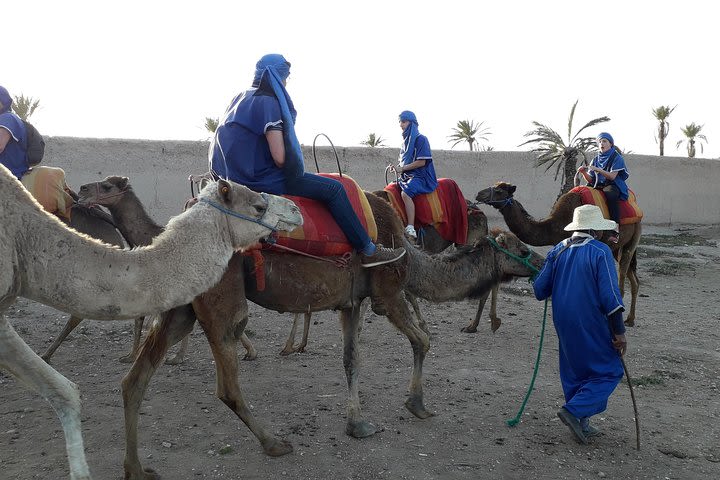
pixel 123 183
pixel 501 240
pixel 512 189
pixel 224 190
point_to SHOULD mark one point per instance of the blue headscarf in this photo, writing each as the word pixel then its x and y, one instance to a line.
pixel 410 134
pixel 270 72
pixel 5 100
pixel 607 137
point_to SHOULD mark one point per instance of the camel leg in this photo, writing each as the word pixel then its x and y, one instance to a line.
pixel 399 315
pixel 412 299
pixel 63 395
pixel 250 351
pixel 306 332
pixel 69 327
pixel 173 326
pixel 472 326
pixel 222 329
pixel 137 333
pixel 634 287
pixel 179 356
pixel 494 320
pixel 356 426
pixel 288 349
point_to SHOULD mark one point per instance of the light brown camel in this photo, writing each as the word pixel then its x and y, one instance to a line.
pixel 43 260
pixel 549 231
pixel 222 312
pixel 98 224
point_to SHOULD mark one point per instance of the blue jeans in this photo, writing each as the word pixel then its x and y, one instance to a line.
pixel 332 194
pixel 612 198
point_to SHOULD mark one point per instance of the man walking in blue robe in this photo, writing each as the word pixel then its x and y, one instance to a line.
pixel 579 274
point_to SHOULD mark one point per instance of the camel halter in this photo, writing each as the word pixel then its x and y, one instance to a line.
pixel 105 197
pixel 232 213
pixel 501 203
pixel 523 260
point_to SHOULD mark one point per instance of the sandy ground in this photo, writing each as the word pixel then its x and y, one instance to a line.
pixel 473 382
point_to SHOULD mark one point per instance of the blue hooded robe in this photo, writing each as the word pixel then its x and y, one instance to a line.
pixel 584 287
pixel 14 156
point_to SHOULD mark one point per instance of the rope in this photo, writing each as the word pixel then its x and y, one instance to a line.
pixel 514 421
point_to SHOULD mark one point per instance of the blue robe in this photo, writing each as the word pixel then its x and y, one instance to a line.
pixel 584 287
pixel 14 156
pixel 422 179
pixel 610 161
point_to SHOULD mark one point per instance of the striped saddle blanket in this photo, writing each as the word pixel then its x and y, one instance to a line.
pixel 629 210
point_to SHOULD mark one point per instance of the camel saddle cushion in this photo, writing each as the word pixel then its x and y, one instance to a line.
pixel 320 234
pixel 629 210
pixel 445 209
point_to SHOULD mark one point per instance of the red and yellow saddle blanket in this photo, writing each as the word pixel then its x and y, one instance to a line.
pixel 629 210
pixel 445 209
pixel 320 235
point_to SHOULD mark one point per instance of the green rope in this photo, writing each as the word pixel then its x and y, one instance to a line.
pixel 514 421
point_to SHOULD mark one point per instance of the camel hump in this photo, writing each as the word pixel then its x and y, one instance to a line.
pixel 445 209
pixel 630 211
pixel 320 234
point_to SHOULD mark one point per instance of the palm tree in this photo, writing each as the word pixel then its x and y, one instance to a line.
pixel 661 114
pixel 24 106
pixel 470 132
pixel 211 124
pixel 692 132
pixel 373 141
pixel 552 149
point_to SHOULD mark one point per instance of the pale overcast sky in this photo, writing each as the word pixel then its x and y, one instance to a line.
pixel 156 69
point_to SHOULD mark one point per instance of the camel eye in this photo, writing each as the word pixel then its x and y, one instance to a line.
pixel 224 190
pixel 106 187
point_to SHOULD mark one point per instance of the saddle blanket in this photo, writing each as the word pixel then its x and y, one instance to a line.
pixel 629 210
pixel 320 235
pixel 445 209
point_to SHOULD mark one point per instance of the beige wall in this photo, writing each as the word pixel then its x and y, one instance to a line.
pixel 669 189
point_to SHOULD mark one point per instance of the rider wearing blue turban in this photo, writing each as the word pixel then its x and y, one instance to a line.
pixel 415 166
pixel 255 145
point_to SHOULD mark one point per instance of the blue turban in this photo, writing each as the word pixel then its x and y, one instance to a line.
pixel 607 137
pixel 271 70
pixel 5 100
pixel 410 134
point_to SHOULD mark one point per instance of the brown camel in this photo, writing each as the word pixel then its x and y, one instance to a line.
pixel 222 313
pixel 98 224
pixel 43 260
pixel 549 231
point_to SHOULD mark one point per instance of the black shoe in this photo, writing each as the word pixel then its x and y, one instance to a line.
pixel 573 424
pixel 382 256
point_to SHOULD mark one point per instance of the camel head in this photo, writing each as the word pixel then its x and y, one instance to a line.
pixel 247 211
pixel 106 193
pixel 514 258
pixel 498 195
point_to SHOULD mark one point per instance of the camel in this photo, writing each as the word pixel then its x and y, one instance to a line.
pixel 97 224
pixel 223 314
pixel 432 242
pixel 43 260
pixel 549 231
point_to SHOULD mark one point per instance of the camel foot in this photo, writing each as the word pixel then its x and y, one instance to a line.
pixel 277 448
pixel 360 429
pixel 469 329
pixel 417 408
pixel 147 474
pixel 287 351
pixel 176 360
pixel 629 322
pixel 495 324
pixel 250 356
pixel 129 358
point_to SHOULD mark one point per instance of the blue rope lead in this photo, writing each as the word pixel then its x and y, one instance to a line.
pixel 514 421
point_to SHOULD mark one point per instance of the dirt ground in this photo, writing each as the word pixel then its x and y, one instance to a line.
pixel 473 382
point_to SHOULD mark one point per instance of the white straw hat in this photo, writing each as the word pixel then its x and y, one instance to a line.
pixel 589 217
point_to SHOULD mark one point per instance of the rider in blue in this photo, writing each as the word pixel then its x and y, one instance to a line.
pixel 12 138
pixel 415 167
pixel 607 172
pixel 255 145
pixel 579 274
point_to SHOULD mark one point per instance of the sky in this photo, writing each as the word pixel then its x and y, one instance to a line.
pixel 156 69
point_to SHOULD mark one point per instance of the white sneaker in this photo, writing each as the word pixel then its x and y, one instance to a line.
pixel 410 230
